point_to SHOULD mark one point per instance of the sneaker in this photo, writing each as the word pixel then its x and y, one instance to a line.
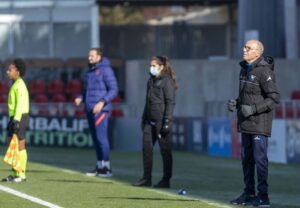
pixel 244 199
pixel 9 178
pixel 162 184
pixel 143 183
pixel 19 179
pixel 104 172
pixel 262 202
pixel 92 172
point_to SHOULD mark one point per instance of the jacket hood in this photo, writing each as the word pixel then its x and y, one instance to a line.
pixel 163 76
pixel 266 61
pixel 104 62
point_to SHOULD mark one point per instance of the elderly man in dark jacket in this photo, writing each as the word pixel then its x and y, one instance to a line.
pixel 100 89
pixel 258 95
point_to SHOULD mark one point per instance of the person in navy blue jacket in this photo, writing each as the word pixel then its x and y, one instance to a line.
pixel 100 89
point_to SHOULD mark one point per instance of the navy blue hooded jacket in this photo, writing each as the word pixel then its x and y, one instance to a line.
pixel 100 84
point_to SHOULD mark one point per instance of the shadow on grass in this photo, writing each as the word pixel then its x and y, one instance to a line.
pixel 128 168
pixel 8 169
pixel 153 199
pixel 78 181
pixel 41 171
pixel 214 179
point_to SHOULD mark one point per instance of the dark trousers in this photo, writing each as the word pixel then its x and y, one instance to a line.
pixel 98 124
pixel 149 138
pixel 254 153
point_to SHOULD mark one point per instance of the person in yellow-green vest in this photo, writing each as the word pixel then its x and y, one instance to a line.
pixel 18 110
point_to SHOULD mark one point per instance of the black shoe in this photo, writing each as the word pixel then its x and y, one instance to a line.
pixel 9 178
pixel 262 202
pixel 92 172
pixel 162 184
pixel 143 182
pixel 104 172
pixel 244 199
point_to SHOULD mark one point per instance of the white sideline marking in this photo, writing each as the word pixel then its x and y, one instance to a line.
pixel 68 171
pixel 28 197
pixel 192 198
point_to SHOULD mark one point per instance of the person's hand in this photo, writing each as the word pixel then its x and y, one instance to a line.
pixel 231 105
pixel 248 110
pixel 98 107
pixel 166 127
pixel 15 126
pixel 78 101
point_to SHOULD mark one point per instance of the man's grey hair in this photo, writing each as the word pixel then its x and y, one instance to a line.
pixel 260 47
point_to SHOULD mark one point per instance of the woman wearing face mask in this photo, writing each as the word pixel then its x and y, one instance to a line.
pixel 157 119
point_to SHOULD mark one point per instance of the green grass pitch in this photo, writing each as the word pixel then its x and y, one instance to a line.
pixel 56 175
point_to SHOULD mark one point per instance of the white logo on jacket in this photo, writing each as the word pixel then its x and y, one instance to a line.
pixel 252 77
pixel 257 138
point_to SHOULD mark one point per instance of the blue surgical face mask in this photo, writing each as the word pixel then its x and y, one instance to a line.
pixel 153 71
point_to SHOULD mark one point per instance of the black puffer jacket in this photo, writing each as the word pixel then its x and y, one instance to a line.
pixel 160 99
pixel 258 88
